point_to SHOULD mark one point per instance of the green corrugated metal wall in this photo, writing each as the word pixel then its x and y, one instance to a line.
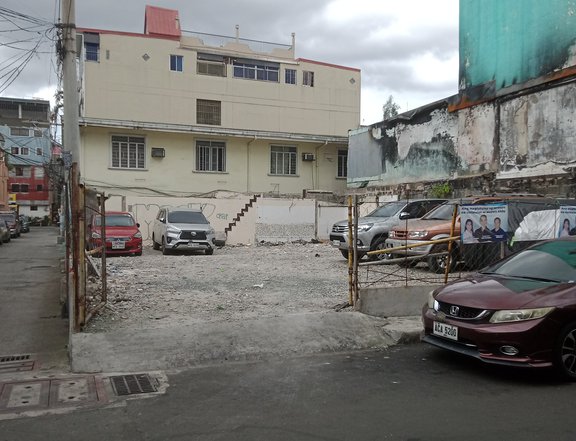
pixel 512 41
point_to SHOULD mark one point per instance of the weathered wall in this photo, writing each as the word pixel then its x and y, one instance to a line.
pixel 515 137
pixel 538 133
pixel 431 145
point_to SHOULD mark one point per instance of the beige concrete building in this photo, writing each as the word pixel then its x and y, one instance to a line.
pixel 177 113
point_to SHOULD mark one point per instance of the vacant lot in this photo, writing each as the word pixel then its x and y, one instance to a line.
pixel 236 283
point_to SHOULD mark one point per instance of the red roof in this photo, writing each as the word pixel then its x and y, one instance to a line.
pixel 162 22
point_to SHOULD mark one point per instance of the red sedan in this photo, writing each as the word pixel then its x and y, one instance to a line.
pixel 520 311
pixel 123 236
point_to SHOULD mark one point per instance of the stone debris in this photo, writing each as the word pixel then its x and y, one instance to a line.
pixel 235 283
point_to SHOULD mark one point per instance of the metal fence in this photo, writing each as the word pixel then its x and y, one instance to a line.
pixel 86 275
pixel 436 251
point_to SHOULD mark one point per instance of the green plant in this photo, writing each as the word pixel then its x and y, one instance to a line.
pixel 441 190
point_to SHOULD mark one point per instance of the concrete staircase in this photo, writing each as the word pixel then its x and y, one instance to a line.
pixel 242 212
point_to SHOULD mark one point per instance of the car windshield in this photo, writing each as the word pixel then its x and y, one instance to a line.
pixel 8 217
pixel 549 261
pixel 186 217
pixel 442 212
pixel 116 220
pixel 387 210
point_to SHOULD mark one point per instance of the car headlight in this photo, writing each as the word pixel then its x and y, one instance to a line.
pixel 365 227
pixel 138 235
pixel 417 234
pixel 392 234
pixel 172 231
pixel 519 315
pixel 432 302
pixel 210 231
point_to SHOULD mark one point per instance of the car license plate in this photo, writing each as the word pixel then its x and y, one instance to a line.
pixel 446 331
pixel 336 243
pixel 118 245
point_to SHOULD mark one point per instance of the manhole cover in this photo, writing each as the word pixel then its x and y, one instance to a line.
pixel 132 384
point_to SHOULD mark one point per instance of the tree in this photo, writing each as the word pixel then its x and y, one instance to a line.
pixel 390 108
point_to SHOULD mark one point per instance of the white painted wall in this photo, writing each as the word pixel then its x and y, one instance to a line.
pixel 269 219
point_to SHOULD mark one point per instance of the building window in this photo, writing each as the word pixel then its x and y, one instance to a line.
pixel 290 76
pixel 255 70
pixel 24 151
pixel 208 112
pixel 38 172
pixel 39 151
pixel 176 63
pixel 92 51
pixel 342 163
pixel 39 187
pixel 19 188
pixel 282 160
pixel 210 156
pixel 38 133
pixel 20 172
pixel 208 64
pixel 19 131
pixel 33 207
pixel 14 150
pixel 308 78
pixel 128 152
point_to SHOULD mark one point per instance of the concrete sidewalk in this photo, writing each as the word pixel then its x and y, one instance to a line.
pixel 178 347
pixel 30 313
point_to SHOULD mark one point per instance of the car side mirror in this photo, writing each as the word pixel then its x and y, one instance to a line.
pixel 137 225
pixel 404 215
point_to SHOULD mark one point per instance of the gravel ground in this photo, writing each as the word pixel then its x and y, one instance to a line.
pixel 235 283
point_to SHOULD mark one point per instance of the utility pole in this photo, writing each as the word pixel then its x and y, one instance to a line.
pixel 70 131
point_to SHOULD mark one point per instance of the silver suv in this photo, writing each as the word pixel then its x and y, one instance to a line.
pixel 373 228
pixel 182 229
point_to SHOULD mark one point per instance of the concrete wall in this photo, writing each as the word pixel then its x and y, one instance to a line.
pixel 132 81
pixel 518 136
pixel 393 302
pixel 247 165
pixel 269 219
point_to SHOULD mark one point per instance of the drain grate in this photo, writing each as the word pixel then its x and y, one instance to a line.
pixel 14 358
pixel 132 384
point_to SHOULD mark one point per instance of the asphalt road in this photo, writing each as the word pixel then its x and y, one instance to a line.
pixel 406 393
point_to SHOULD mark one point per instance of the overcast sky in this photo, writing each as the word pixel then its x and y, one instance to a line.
pixel 405 48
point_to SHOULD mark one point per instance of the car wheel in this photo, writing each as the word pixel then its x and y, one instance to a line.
pixel 165 251
pixel 437 264
pixel 377 245
pixel 565 353
pixel 155 244
pixel 209 251
pixel 139 253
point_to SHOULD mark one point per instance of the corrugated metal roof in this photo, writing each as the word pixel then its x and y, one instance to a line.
pixel 162 21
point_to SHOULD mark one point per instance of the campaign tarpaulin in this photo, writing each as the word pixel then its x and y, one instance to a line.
pixel 483 223
pixel 567 221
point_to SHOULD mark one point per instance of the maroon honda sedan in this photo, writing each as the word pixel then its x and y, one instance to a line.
pixel 520 311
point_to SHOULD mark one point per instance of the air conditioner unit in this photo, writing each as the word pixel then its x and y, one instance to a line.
pixel 158 152
pixel 307 156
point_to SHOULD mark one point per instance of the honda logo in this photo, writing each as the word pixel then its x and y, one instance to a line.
pixel 454 310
